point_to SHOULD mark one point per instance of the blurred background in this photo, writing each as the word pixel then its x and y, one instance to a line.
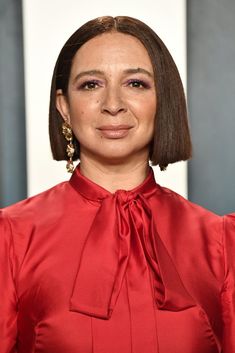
pixel 201 37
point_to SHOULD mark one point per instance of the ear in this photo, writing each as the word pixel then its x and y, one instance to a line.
pixel 62 105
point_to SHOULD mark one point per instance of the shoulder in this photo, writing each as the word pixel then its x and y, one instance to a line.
pixel 181 204
pixel 37 203
pixel 187 217
pixel 30 219
pixel 229 233
pixel 43 208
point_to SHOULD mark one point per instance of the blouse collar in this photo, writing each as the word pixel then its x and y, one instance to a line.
pixel 94 192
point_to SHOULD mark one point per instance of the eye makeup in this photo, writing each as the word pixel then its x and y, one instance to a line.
pixel 137 83
pixel 134 83
pixel 89 85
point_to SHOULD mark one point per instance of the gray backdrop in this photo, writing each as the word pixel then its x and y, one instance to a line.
pixel 12 110
pixel 211 98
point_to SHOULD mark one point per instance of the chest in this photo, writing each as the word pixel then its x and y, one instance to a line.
pixel 46 323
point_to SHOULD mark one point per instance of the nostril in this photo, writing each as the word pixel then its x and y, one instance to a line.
pixel 113 104
pixel 113 110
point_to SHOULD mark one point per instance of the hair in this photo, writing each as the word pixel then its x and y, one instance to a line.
pixel 171 141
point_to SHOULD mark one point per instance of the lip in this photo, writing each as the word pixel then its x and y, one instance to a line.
pixel 114 131
pixel 114 127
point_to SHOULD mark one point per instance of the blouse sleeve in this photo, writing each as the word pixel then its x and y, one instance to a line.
pixel 8 301
pixel 228 290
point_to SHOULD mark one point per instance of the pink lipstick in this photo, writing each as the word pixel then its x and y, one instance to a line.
pixel 114 131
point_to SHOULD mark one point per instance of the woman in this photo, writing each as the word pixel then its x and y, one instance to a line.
pixel 110 261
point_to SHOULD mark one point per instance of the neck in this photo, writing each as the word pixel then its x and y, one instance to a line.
pixel 113 177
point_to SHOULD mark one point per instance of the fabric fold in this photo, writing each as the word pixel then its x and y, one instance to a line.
pixel 121 218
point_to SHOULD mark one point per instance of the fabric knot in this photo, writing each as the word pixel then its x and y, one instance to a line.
pixel 125 197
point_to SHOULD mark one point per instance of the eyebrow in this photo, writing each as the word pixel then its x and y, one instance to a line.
pixel 138 70
pixel 101 73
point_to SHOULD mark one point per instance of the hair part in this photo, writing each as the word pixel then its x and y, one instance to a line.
pixel 171 142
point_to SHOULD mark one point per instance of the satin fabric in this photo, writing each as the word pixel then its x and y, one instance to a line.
pixel 84 270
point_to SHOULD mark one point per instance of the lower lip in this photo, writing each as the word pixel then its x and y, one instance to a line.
pixel 114 134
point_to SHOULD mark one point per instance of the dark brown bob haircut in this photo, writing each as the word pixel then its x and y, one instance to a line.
pixel 171 142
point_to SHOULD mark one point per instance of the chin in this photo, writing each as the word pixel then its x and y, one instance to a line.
pixel 121 157
pixel 114 154
pixel 114 159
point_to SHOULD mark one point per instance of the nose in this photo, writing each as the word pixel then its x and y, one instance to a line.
pixel 113 102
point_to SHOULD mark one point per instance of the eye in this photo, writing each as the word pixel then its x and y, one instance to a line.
pixel 89 85
pixel 138 84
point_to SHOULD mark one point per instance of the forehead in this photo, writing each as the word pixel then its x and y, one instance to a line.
pixel 112 48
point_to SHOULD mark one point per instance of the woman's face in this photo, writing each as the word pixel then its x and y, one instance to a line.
pixel 111 101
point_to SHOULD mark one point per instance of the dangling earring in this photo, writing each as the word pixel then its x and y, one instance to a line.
pixel 68 134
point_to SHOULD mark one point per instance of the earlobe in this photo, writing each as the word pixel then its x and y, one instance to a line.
pixel 62 105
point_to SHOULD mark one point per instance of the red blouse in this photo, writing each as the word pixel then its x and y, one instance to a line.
pixel 142 271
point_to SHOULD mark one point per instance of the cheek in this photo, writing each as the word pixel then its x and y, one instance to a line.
pixel 79 113
pixel 147 118
pixel 152 110
pixel 77 116
pixel 145 105
pixel 80 123
pixel 147 114
pixel 82 108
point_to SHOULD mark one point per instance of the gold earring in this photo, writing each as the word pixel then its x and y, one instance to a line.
pixel 68 134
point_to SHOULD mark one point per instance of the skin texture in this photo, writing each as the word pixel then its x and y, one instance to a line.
pixel 111 106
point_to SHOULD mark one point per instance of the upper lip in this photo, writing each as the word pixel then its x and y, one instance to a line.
pixel 115 127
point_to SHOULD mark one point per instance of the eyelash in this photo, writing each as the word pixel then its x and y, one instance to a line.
pixel 143 84
pixel 86 83
pixel 140 82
